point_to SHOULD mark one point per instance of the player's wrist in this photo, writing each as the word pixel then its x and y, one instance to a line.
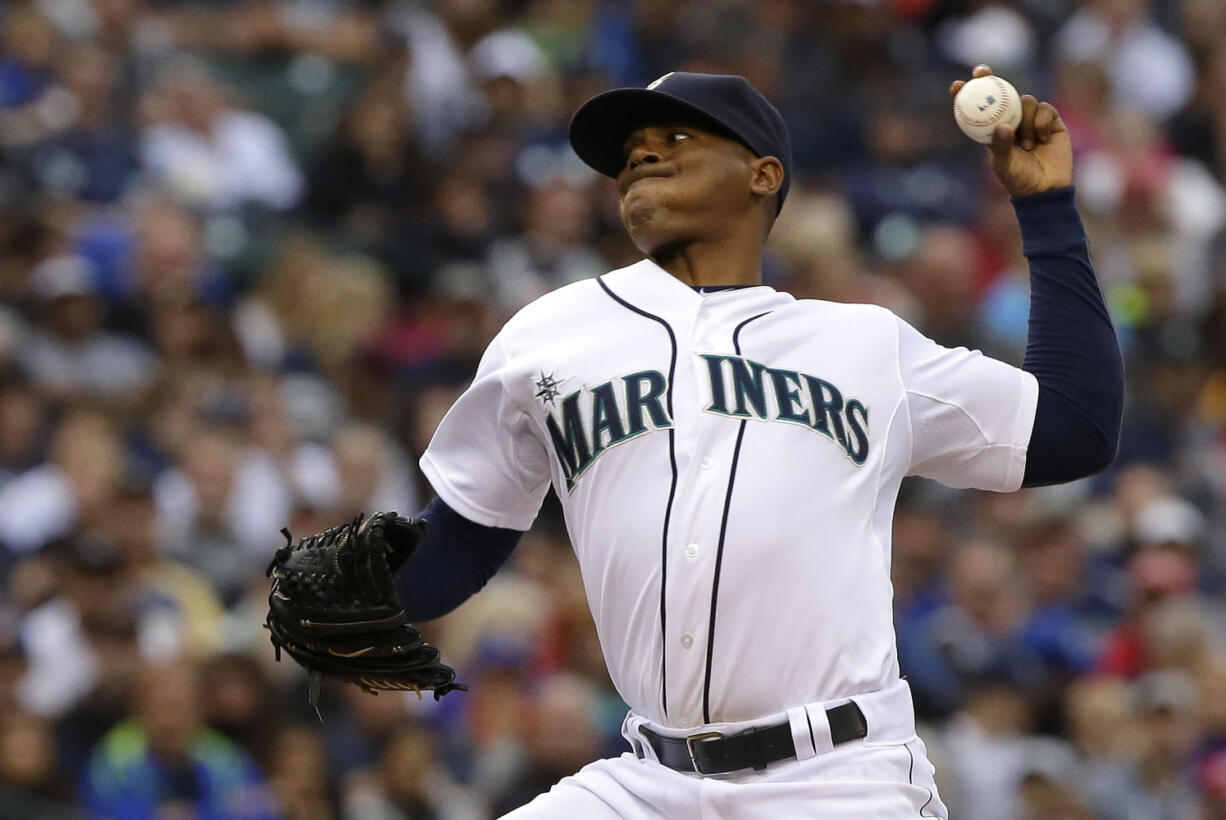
pixel 1064 193
pixel 1026 188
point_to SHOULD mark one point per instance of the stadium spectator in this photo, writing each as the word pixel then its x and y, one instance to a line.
pixel 408 783
pixel 216 511
pixel 74 488
pixel 1149 69
pixel 561 734
pixel 164 762
pixel 31 785
pixel 70 354
pixel 1159 784
pixel 211 154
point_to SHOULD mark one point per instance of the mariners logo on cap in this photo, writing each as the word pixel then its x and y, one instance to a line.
pixel 656 83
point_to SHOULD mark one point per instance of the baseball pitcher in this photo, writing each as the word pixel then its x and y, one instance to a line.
pixel 728 459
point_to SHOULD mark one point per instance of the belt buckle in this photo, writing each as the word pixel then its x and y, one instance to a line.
pixel 689 746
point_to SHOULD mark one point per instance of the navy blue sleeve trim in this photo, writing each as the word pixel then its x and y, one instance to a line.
pixel 1071 348
pixel 452 563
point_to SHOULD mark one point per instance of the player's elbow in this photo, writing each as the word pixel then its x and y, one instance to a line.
pixel 1074 448
pixel 1099 453
pixel 1104 446
pixel 1081 461
pixel 1102 443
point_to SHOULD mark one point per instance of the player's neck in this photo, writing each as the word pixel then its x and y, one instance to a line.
pixel 700 262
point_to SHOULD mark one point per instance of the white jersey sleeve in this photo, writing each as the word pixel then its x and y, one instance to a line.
pixel 485 460
pixel 971 416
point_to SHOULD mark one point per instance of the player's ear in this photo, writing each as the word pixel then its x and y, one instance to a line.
pixel 767 176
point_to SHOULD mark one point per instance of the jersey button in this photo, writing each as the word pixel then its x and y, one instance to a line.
pixel 687 640
pixel 706 464
pixel 691 550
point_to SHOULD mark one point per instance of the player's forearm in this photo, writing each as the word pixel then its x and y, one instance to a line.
pixel 452 563
pixel 1072 348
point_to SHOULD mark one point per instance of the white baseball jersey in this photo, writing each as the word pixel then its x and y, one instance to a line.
pixel 728 465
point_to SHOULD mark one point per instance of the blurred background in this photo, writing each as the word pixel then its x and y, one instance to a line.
pixel 251 251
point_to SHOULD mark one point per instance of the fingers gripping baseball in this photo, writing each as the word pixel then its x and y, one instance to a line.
pixel 1025 130
pixel 1034 156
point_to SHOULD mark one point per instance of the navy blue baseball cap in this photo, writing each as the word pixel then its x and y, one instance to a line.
pixel 725 103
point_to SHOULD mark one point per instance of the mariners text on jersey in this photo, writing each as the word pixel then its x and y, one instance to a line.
pixel 591 420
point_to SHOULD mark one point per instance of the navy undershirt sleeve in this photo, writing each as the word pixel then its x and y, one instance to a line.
pixel 1071 349
pixel 453 561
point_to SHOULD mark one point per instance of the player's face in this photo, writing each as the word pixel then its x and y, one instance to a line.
pixel 680 182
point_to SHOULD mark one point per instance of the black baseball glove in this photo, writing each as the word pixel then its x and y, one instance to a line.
pixel 334 609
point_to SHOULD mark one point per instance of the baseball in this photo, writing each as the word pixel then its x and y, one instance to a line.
pixel 984 103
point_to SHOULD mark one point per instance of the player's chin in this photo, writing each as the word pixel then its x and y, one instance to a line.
pixel 636 209
pixel 641 214
pixel 648 231
pixel 654 219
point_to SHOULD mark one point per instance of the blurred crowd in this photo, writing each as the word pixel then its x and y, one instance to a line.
pixel 251 251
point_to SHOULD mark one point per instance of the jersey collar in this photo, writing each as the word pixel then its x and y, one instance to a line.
pixel 649 287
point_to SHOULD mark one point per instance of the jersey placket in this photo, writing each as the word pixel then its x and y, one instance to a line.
pixel 706 452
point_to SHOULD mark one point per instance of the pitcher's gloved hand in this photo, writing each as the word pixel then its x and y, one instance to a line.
pixel 334 609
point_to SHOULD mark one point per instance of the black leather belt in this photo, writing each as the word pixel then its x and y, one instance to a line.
pixel 713 753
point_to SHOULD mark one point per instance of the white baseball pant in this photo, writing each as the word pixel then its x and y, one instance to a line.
pixel 885 776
